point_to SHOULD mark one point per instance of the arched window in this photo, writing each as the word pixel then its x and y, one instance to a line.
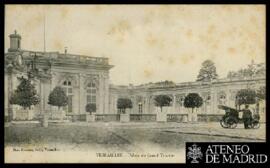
pixel 69 92
pixel 91 93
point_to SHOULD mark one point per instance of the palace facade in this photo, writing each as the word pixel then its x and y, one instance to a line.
pixel 85 79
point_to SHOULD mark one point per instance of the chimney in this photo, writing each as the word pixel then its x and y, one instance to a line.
pixel 15 42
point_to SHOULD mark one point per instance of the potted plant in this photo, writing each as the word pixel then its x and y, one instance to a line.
pixel 25 96
pixel 193 100
pixel 122 105
pixel 59 99
pixel 161 101
pixel 90 108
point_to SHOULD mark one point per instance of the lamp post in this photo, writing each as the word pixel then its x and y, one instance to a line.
pixel 35 74
pixel 10 85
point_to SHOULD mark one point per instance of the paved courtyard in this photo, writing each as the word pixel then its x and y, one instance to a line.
pixel 129 132
pixel 122 137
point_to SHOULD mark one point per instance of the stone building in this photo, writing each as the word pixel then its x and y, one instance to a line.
pixel 85 79
pixel 214 93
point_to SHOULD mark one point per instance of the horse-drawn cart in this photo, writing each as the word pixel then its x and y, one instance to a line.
pixel 231 118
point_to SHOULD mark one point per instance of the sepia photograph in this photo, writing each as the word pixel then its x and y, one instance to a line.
pixel 131 83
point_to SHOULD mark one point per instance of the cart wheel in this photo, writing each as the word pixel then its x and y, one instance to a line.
pixel 255 125
pixel 223 124
pixel 231 122
pixel 233 125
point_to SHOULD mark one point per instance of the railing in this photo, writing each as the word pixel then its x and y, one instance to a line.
pixel 143 117
pixel 176 117
pixel 107 117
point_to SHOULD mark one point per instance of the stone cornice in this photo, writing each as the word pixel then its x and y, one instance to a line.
pixel 63 60
pixel 187 85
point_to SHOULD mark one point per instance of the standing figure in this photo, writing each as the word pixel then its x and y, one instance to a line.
pixel 247 116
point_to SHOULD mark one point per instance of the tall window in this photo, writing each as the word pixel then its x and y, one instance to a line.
pixel 68 90
pixel 140 108
pixel 91 93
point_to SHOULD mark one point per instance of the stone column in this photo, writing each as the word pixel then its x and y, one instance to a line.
pixel 213 101
pixel 151 109
pixel 81 91
pixel 134 105
pixel 46 93
pixel 228 97
pixel 106 94
pixel 13 85
pixel 115 104
pixel 112 104
pixel 53 84
pixel 9 106
pixel 6 94
pixel 146 105
pixel 231 99
pixel 101 95
pixel 75 100
pixel 44 96
pixel 215 98
pixel 41 94
pixel 174 103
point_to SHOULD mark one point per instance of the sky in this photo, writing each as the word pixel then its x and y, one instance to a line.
pixel 146 43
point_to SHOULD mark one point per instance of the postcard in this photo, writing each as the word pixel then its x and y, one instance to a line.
pixel 131 83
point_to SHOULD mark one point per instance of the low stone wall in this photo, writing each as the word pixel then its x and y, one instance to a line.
pixel 116 117
pixel 107 117
pixel 209 117
pixel 143 117
pixel 177 117
pixel 78 117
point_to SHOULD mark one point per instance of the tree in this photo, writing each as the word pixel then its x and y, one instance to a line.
pixel 245 96
pixel 91 107
pixel 162 100
pixel 207 71
pixel 123 103
pixel 261 93
pixel 232 74
pixel 250 71
pixel 25 95
pixel 58 97
pixel 193 100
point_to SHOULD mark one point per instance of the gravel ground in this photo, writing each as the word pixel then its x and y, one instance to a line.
pixel 124 136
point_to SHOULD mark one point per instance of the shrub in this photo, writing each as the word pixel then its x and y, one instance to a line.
pixel 90 107
pixel 123 103
pixel 25 95
pixel 162 100
pixel 58 97
pixel 193 100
